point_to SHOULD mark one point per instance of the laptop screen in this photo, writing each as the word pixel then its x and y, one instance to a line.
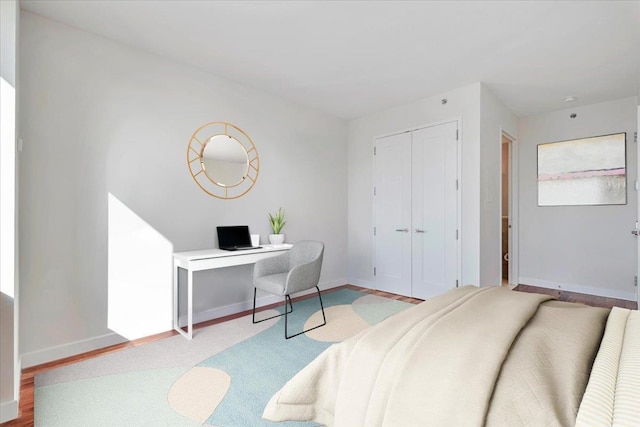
pixel 232 236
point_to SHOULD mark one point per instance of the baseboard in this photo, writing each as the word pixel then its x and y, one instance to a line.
pixel 8 411
pixel 581 289
pixel 217 312
pixel 362 283
pixel 332 284
pixel 70 349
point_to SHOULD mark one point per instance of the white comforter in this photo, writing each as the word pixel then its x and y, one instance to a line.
pixel 470 357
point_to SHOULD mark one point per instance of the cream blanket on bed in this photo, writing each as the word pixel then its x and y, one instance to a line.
pixel 435 364
pixel 612 397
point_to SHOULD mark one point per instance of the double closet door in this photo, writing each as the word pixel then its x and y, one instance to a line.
pixel 416 211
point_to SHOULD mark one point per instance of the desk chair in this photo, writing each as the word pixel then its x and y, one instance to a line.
pixel 294 271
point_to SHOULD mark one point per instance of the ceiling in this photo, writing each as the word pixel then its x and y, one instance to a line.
pixel 352 58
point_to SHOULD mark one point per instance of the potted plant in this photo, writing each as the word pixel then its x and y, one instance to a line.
pixel 277 223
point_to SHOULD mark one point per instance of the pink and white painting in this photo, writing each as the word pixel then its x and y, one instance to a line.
pixel 589 171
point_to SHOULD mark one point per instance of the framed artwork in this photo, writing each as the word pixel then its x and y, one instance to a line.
pixel 588 171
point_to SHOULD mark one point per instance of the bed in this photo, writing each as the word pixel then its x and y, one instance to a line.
pixel 474 357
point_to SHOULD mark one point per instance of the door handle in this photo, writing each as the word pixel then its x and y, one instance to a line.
pixel 402 230
pixel 635 232
pixel 418 230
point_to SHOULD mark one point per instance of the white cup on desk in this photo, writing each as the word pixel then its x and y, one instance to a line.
pixel 255 239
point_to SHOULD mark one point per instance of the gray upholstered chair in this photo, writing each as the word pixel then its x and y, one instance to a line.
pixel 294 271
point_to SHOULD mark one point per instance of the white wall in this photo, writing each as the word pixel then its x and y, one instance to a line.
pixel 494 119
pixel 464 104
pixel 9 362
pixel 586 249
pixel 100 118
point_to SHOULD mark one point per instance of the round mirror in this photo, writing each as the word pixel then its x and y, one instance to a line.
pixel 224 160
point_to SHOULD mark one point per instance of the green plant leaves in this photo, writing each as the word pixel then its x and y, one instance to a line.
pixel 277 221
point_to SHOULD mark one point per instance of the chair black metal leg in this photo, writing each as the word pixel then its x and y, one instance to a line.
pixel 324 318
pixel 287 298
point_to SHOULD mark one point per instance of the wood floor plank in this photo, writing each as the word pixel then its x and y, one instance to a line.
pixel 593 300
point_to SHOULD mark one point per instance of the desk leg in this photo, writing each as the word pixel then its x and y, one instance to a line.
pixel 189 304
pixel 176 319
pixel 176 303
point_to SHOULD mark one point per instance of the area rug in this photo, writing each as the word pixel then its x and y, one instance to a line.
pixel 223 377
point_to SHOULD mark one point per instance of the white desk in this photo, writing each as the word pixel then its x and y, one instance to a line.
pixel 206 260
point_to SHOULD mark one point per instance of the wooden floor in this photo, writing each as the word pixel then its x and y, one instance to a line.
pixel 592 300
pixel 26 382
pixel 27 386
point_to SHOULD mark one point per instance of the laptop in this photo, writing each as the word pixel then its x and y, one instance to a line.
pixel 235 238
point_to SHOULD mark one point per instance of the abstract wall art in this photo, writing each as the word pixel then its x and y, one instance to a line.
pixel 588 171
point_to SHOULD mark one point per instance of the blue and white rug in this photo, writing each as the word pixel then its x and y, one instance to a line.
pixel 223 377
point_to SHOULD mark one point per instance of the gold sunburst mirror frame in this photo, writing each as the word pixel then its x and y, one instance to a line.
pixel 223 160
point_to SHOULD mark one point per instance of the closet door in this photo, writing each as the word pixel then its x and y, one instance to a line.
pixel 434 210
pixel 392 214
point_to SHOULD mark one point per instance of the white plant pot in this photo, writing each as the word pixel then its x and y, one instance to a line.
pixel 276 239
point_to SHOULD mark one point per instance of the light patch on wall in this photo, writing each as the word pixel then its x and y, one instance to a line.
pixel 139 275
pixel 7 187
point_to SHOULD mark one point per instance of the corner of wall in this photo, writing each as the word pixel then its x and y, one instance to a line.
pixel 463 104
pixel 8 411
pixel 58 352
pixel 495 118
pixel 9 358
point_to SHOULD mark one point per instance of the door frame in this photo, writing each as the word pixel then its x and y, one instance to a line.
pixel 513 208
pixel 458 121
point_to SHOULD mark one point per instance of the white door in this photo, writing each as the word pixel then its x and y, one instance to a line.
pixel 392 210
pixel 434 210
pixel 416 211
pixel 637 228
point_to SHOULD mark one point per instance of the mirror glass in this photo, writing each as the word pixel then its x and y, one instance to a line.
pixel 224 160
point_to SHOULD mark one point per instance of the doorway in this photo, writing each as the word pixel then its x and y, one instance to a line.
pixel 508 211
